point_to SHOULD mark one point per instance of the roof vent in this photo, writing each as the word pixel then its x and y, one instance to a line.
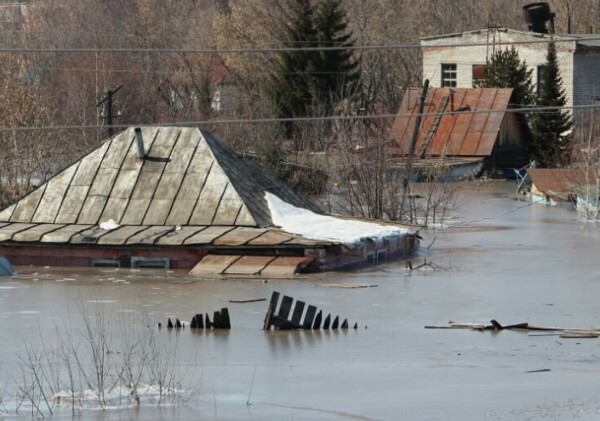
pixel 139 140
pixel 537 15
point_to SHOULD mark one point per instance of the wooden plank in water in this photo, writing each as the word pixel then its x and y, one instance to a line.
pixel 327 322
pixel 309 317
pixel 271 310
pixel 317 323
pixel 297 315
pixel 286 306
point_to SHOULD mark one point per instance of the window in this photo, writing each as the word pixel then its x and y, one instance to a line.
pixel 540 80
pixel 478 73
pixel 449 75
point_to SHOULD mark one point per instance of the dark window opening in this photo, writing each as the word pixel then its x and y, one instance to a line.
pixel 449 75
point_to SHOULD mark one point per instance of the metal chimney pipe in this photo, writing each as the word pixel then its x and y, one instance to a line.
pixel 139 140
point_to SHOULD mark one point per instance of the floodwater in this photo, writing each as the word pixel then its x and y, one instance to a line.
pixel 509 261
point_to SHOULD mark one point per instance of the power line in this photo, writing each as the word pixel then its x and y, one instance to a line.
pixel 301 119
pixel 262 50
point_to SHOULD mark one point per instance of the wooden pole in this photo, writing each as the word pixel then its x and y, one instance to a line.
pixel 413 144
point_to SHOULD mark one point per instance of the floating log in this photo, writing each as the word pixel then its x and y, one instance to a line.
pixel 247 300
pixel 563 332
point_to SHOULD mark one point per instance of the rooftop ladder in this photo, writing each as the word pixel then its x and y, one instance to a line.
pixel 433 127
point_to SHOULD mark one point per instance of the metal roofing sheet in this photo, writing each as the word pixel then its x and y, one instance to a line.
pixel 460 130
pixel 271 238
pixel 150 235
pixel 208 235
pixel 35 233
pixel 560 181
pixel 179 235
pixel 186 177
pixel 64 234
pixel 238 236
pixel 7 231
pixel 120 235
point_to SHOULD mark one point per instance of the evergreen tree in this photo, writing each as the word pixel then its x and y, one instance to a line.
pixel 505 70
pixel 308 81
pixel 337 71
pixel 293 84
pixel 550 127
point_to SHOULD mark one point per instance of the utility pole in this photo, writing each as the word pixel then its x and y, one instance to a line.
pixel 413 144
pixel 108 108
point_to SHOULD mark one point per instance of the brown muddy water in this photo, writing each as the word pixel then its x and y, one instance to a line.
pixel 513 263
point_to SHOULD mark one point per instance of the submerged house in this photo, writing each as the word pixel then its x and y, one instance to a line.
pixel 176 197
pixel 471 129
pixel 551 186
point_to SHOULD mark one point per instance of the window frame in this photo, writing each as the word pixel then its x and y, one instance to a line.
pixel 449 75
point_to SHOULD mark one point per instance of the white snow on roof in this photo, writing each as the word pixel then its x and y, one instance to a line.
pixel 324 227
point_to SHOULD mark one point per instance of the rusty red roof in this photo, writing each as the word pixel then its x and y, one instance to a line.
pixel 459 131
pixel 560 181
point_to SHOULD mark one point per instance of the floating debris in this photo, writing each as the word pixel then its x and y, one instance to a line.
pixel 494 325
pixel 247 300
pixel 346 285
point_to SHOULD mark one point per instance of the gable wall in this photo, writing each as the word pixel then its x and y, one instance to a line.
pixel 445 50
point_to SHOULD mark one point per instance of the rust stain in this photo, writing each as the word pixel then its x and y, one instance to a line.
pixel 465 129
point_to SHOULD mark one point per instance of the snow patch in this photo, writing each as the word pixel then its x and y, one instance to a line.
pixel 325 227
pixel 109 225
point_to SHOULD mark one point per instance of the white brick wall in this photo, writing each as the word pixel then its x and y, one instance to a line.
pixel 444 49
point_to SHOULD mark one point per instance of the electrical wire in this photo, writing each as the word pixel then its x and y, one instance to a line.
pixel 262 50
pixel 300 119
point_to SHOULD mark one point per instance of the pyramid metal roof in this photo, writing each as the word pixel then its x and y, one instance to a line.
pixel 186 178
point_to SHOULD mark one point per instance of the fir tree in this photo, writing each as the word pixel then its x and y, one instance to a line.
pixel 308 81
pixel 551 127
pixel 337 71
pixel 293 83
pixel 505 70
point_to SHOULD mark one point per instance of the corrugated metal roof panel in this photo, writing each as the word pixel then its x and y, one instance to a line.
pixel 559 181
pixel 460 129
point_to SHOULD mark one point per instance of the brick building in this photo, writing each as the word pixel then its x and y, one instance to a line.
pixel 457 60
